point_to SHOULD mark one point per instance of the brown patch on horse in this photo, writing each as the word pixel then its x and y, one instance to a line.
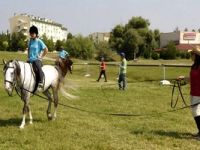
pixel 64 65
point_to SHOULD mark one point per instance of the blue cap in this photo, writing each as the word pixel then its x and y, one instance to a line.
pixel 63 54
pixel 122 54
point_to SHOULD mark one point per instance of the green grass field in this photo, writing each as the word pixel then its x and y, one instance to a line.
pixel 77 130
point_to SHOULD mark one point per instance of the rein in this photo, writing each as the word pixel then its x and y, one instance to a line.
pixel 177 84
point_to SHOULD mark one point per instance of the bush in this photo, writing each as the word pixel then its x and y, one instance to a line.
pixel 187 56
pixel 80 47
pixel 154 56
pixel 146 54
pixel 183 55
pixel 178 53
pixel 102 49
pixel 170 52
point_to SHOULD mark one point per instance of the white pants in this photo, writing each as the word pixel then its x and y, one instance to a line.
pixel 196 108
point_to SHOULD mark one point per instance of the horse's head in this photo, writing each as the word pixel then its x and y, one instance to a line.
pixel 10 70
pixel 65 65
pixel 69 64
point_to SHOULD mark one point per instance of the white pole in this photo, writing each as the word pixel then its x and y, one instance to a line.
pixel 163 72
pixel 86 70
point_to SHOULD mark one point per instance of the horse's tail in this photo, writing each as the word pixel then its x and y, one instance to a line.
pixel 60 87
pixel 67 95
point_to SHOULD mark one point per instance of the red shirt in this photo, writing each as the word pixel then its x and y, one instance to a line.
pixel 103 66
pixel 195 82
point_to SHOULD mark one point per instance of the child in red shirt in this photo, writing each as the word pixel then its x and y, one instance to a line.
pixel 103 70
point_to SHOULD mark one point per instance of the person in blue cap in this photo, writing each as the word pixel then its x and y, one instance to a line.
pixel 36 51
pixel 63 56
pixel 63 53
pixel 122 72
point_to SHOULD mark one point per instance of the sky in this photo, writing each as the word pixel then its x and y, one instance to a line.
pixel 88 16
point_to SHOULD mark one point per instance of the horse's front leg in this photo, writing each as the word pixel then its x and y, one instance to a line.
pixel 48 94
pixel 55 96
pixel 24 115
pixel 26 109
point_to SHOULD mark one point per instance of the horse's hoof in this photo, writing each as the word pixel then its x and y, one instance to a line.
pixel 21 127
pixel 50 118
pixel 30 122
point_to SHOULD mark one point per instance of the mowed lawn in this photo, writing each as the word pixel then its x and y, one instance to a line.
pixel 78 130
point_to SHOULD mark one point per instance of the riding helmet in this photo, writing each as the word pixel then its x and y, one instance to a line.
pixel 33 29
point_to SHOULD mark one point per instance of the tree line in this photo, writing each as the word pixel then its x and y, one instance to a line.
pixel 135 39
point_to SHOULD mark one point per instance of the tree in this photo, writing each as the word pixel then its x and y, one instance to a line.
pixel 59 44
pixel 170 52
pixel 134 38
pixel 103 50
pixel 137 23
pixel 4 41
pixel 116 38
pixel 5 45
pixel 18 41
pixel 157 38
pixel 69 36
pixel 80 47
pixel 22 45
pixel 48 42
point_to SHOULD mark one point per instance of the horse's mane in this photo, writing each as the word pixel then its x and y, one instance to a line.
pixel 16 64
pixel 64 65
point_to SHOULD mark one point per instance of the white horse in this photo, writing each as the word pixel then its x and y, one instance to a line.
pixel 20 75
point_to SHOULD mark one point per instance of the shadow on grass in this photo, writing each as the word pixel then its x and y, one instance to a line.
pixel 14 122
pixel 173 134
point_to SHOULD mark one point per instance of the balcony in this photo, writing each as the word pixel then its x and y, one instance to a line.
pixel 22 28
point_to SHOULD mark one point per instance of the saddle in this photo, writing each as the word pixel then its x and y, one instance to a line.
pixel 35 73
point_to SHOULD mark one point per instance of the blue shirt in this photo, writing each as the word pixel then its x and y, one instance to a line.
pixel 63 54
pixel 36 46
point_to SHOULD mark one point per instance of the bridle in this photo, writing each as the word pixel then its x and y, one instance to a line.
pixel 13 83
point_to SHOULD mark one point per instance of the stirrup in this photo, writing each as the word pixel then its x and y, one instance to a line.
pixel 40 85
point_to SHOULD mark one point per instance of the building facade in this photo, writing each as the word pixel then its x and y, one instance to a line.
pixel 100 37
pixel 22 23
pixel 182 40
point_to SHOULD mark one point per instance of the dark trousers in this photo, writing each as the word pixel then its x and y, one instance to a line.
pixel 103 72
pixel 197 120
pixel 37 64
pixel 122 81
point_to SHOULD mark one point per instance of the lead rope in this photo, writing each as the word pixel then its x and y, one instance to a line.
pixel 177 83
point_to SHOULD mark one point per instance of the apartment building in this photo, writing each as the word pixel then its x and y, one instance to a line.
pixel 22 23
pixel 100 36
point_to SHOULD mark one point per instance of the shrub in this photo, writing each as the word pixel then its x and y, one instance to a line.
pixel 170 52
pixel 154 56
pixel 146 54
pixel 187 56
